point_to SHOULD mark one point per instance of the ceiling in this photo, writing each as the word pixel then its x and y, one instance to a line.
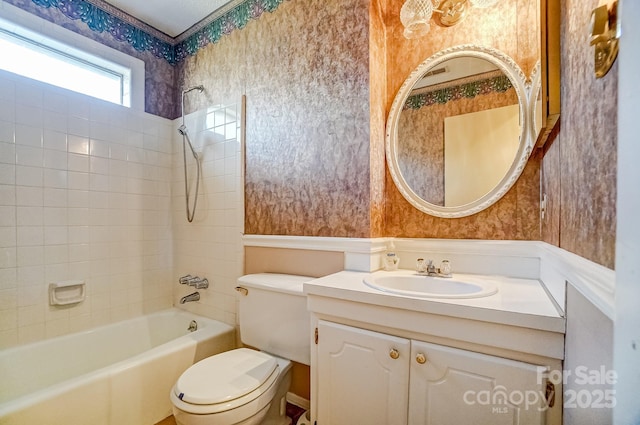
pixel 169 16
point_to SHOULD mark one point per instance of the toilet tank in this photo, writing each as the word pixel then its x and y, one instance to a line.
pixel 273 315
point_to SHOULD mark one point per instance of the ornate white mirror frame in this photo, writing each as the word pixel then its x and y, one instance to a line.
pixel 518 80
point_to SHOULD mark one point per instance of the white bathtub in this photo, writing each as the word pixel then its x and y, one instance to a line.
pixel 113 375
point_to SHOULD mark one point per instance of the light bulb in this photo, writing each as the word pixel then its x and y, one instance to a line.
pixel 483 3
pixel 415 15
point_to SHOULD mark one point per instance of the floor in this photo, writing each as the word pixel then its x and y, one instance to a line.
pixel 293 411
pixel 167 421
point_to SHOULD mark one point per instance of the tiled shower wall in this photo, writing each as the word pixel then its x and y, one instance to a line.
pixel 84 194
pixel 210 246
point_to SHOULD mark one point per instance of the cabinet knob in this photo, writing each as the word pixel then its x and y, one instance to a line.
pixel 394 354
pixel 421 358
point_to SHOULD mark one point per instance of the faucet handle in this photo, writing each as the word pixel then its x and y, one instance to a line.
pixel 185 279
pixel 421 267
pixel 200 283
pixel 445 268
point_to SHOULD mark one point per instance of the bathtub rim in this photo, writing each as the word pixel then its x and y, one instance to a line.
pixel 214 327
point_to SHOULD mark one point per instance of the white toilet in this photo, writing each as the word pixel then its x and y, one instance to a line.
pixel 246 386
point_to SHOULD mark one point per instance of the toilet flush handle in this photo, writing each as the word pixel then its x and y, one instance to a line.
pixel 243 291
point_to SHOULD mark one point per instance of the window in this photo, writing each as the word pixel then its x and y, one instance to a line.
pixel 60 57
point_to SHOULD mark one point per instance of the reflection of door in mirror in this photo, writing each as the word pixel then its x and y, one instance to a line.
pixel 479 149
pixel 460 87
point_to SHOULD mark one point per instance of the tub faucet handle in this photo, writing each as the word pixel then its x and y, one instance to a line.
pixel 200 283
pixel 185 279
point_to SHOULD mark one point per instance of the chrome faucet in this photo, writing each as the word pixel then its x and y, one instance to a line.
pixel 191 297
pixel 430 269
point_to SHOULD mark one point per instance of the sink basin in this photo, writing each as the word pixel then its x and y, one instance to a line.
pixel 422 286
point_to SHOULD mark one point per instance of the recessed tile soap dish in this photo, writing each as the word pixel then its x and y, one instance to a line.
pixel 66 292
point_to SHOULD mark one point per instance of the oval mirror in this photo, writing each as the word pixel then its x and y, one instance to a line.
pixel 458 131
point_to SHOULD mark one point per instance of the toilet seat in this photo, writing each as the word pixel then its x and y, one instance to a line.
pixel 225 382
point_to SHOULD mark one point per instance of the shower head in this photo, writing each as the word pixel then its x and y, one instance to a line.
pixel 200 88
pixel 182 130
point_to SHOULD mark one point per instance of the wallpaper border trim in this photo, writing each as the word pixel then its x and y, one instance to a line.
pixel 100 17
pixel 500 84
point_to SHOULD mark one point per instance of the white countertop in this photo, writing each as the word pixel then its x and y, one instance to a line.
pixel 518 302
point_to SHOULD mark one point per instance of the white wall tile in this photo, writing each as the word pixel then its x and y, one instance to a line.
pixel 55 235
pixel 56 179
pixel 8 237
pixel 84 193
pixel 55 101
pixel 206 247
pixel 56 254
pixel 8 257
pixel 7 112
pixel 30 236
pixel 29 115
pixel 30 195
pixel 54 197
pixel 7 153
pixel 29 94
pixel 78 162
pixel 55 159
pixel 99 148
pixel 54 120
pixel 7 130
pixel 29 156
pixel 7 174
pixel 78 144
pixel 8 216
pixel 29 256
pixel 29 216
pixel 30 276
pixel 78 126
pixel 55 140
pixel 29 176
pixel 78 199
pixel 28 135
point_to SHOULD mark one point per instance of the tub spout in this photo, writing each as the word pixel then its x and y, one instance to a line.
pixel 191 297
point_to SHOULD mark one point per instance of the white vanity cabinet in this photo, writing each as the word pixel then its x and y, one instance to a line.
pixel 449 386
pixel 364 376
pixel 368 377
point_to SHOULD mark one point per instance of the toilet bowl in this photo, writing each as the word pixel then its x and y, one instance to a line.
pixel 246 386
pixel 236 387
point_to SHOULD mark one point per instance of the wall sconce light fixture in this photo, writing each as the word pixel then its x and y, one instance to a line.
pixel 605 33
pixel 416 14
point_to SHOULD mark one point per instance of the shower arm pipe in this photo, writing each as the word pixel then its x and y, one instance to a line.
pixel 200 88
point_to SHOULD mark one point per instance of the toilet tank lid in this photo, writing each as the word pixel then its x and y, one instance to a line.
pixel 287 283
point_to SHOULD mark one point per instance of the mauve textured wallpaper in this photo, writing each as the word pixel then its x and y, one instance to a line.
pixel 580 172
pixel 305 72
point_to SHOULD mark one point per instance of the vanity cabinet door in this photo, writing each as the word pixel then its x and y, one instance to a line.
pixel 363 376
pixel 449 386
